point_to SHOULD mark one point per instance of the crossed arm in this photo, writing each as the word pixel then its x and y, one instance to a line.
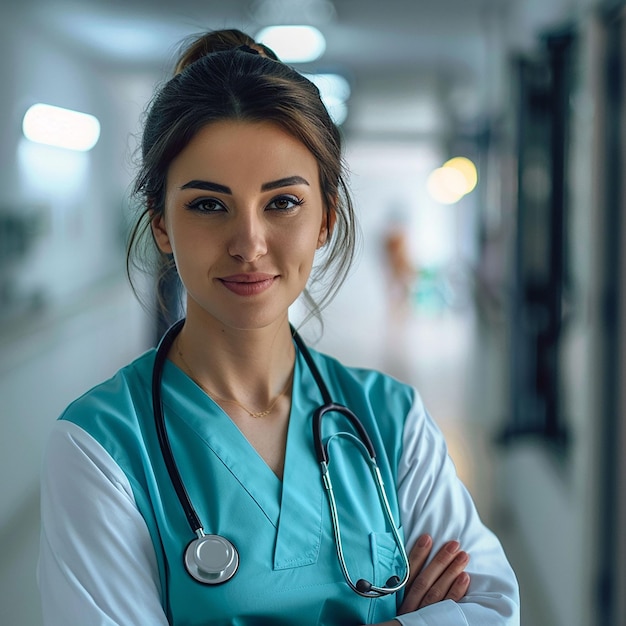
pixel 434 502
pixel 443 578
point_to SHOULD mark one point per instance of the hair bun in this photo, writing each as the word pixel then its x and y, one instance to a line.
pixel 198 46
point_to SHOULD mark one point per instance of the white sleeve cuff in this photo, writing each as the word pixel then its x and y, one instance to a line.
pixel 446 613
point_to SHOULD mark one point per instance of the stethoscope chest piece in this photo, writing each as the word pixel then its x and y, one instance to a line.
pixel 211 559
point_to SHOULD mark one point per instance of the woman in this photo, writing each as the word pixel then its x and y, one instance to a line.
pixel 243 191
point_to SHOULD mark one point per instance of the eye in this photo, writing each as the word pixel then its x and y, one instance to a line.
pixel 205 205
pixel 285 203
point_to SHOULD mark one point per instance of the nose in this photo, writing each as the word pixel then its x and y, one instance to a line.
pixel 248 237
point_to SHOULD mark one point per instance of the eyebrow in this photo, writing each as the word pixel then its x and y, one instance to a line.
pixel 207 185
pixel 284 182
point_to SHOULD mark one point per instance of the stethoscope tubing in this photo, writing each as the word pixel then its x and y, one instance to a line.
pixel 361 587
pixel 164 442
pixel 329 406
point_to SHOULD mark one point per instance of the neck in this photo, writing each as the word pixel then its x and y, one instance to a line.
pixel 250 366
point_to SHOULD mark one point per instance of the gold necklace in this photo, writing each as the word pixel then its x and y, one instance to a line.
pixel 216 397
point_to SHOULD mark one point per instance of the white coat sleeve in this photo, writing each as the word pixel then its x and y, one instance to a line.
pixel 97 564
pixel 433 500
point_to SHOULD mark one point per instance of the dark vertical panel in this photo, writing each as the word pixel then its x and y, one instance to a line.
pixel 609 564
pixel 544 84
pixel 559 48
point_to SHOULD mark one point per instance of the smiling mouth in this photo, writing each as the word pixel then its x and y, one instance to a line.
pixel 248 285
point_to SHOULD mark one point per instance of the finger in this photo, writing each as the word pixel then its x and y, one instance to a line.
pixel 418 557
pixel 426 578
pixel 442 586
pixel 459 587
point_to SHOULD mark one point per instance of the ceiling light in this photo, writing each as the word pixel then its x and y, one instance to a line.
pixel 334 92
pixel 338 111
pixel 332 86
pixel 62 128
pixel 293 44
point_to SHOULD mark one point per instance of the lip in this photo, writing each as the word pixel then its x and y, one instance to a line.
pixel 248 284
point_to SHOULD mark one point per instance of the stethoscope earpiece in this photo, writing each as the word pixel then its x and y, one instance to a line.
pixel 394 581
pixel 211 559
pixel 368 590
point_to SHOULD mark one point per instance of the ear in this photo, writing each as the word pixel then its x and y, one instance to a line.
pixel 328 225
pixel 160 234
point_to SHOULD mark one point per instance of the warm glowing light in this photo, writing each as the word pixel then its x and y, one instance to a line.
pixel 62 128
pixel 446 185
pixel 467 168
pixel 294 44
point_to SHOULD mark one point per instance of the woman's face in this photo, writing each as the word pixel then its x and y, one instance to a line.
pixel 243 218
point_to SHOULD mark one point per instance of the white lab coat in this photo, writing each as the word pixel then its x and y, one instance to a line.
pixel 110 541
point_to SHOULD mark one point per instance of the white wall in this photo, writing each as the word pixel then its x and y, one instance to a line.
pixel 40 373
pixel 86 323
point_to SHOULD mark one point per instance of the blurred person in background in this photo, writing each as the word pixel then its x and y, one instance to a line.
pixel 401 273
pixel 187 489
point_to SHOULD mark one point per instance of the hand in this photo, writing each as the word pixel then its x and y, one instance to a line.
pixel 443 578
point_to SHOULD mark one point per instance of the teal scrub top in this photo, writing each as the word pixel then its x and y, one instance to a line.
pixel 282 529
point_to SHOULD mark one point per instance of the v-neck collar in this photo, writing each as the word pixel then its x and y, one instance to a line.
pixel 294 505
pixel 302 495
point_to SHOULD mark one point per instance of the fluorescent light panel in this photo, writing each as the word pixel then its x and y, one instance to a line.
pixel 334 92
pixel 62 128
pixel 293 44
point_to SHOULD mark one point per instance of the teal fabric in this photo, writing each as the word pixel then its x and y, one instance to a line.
pixel 289 571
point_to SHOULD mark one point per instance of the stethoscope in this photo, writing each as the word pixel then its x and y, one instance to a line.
pixel 213 559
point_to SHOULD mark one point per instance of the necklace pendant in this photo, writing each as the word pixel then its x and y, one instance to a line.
pixel 260 413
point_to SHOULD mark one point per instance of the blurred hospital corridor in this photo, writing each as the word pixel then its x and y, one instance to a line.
pixel 456 362
pixel 485 142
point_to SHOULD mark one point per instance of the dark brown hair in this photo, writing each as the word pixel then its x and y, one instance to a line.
pixel 226 75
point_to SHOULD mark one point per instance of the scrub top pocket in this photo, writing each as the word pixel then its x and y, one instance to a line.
pixel 387 562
